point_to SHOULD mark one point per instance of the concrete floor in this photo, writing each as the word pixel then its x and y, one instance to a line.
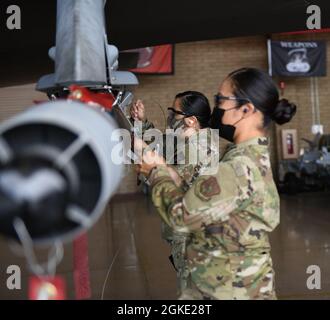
pixel 130 231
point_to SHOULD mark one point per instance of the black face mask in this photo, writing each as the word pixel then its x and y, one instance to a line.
pixel 226 131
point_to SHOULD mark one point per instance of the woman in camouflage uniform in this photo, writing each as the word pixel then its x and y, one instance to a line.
pixel 196 153
pixel 229 214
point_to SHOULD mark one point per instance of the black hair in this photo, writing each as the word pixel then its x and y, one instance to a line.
pixel 194 103
pixel 258 87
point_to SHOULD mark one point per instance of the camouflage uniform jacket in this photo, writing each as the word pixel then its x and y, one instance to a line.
pixel 228 215
pixel 193 156
pixel 199 155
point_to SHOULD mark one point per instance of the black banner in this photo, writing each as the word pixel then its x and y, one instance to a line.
pixel 297 59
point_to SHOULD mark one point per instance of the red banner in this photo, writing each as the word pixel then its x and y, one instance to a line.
pixel 155 60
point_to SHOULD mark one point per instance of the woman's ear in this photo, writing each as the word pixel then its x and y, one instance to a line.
pixel 188 122
pixel 191 121
pixel 248 109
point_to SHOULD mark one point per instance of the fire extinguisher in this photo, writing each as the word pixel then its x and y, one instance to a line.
pixel 282 87
pixel 289 143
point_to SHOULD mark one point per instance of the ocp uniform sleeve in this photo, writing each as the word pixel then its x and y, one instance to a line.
pixel 210 199
pixel 145 125
pixel 165 194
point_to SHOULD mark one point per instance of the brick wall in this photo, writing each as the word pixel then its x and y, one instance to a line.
pixel 201 66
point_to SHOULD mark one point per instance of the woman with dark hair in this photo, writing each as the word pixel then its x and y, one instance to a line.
pixel 230 214
pixel 188 104
pixel 195 153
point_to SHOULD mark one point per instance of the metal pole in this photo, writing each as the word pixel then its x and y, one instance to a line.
pixel 80 43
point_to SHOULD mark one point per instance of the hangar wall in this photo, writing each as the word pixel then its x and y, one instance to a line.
pixel 201 66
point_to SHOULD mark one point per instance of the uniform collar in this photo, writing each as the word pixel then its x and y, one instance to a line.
pixel 259 141
pixel 195 135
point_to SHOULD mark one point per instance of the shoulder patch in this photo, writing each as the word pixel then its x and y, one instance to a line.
pixel 208 188
pixel 238 168
pixel 263 141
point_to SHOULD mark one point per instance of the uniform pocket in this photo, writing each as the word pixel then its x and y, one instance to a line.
pixel 212 276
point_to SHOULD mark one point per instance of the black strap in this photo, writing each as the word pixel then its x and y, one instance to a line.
pixel 172 261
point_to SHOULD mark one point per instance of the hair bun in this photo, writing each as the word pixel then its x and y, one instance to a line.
pixel 284 111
